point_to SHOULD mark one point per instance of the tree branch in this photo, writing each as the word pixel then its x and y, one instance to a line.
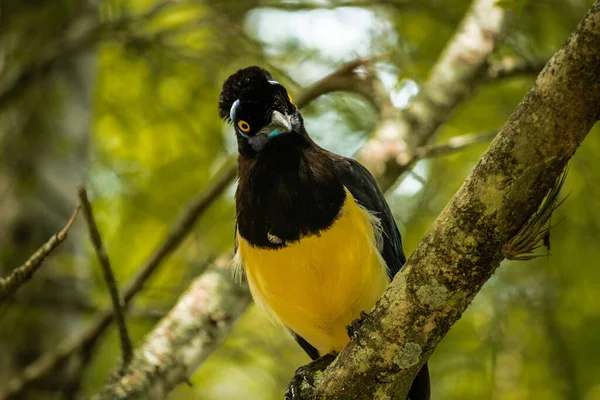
pixel 191 331
pixel 307 6
pixel 88 338
pixel 465 244
pixel 346 78
pixel 9 285
pixel 453 145
pixel 111 282
pixel 510 67
pixel 455 75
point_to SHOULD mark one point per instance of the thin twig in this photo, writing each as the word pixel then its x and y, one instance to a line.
pixel 183 227
pixel 22 274
pixel 89 337
pixel 509 67
pixel 454 144
pixel 346 78
pixel 111 282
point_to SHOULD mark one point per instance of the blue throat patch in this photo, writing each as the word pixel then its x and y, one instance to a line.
pixel 275 133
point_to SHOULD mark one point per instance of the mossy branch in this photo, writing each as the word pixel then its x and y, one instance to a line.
pixel 503 197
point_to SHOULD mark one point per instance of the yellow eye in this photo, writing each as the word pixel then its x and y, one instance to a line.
pixel 244 126
pixel 290 98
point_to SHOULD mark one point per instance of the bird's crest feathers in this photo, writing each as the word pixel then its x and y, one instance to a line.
pixel 241 85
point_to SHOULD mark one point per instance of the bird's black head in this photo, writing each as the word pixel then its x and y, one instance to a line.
pixel 259 108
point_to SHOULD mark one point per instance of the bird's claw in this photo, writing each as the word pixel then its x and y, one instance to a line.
pixel 352 329
pixel 306 374
pixel 301 376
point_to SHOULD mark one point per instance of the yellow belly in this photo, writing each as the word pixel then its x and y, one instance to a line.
pixel 318 285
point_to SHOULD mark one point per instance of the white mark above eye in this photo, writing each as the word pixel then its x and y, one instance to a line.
pixel 274 82
pixel 232 110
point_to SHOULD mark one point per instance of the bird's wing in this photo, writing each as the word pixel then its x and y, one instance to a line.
pixel 359 181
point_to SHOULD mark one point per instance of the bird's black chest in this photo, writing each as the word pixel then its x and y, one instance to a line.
pixel 286 195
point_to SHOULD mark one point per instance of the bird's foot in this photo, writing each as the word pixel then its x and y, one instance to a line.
pixel 306 375
pixel 352 329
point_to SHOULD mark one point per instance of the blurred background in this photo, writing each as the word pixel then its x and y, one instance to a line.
pixel 122 95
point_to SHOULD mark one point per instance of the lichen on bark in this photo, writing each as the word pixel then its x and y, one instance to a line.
pixel 408 356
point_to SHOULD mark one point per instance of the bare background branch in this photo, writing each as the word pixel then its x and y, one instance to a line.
pixel 455 76
pixel 111 282
pixel 194 328
pixel 20 275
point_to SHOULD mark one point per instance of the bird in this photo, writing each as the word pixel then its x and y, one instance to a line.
pixel 314 237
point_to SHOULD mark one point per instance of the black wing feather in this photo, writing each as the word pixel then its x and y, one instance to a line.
pixel 363 187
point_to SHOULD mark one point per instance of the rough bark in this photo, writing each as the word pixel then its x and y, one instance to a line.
pixel 465 244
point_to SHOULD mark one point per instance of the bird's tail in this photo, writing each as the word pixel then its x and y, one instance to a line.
pixel 420 389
